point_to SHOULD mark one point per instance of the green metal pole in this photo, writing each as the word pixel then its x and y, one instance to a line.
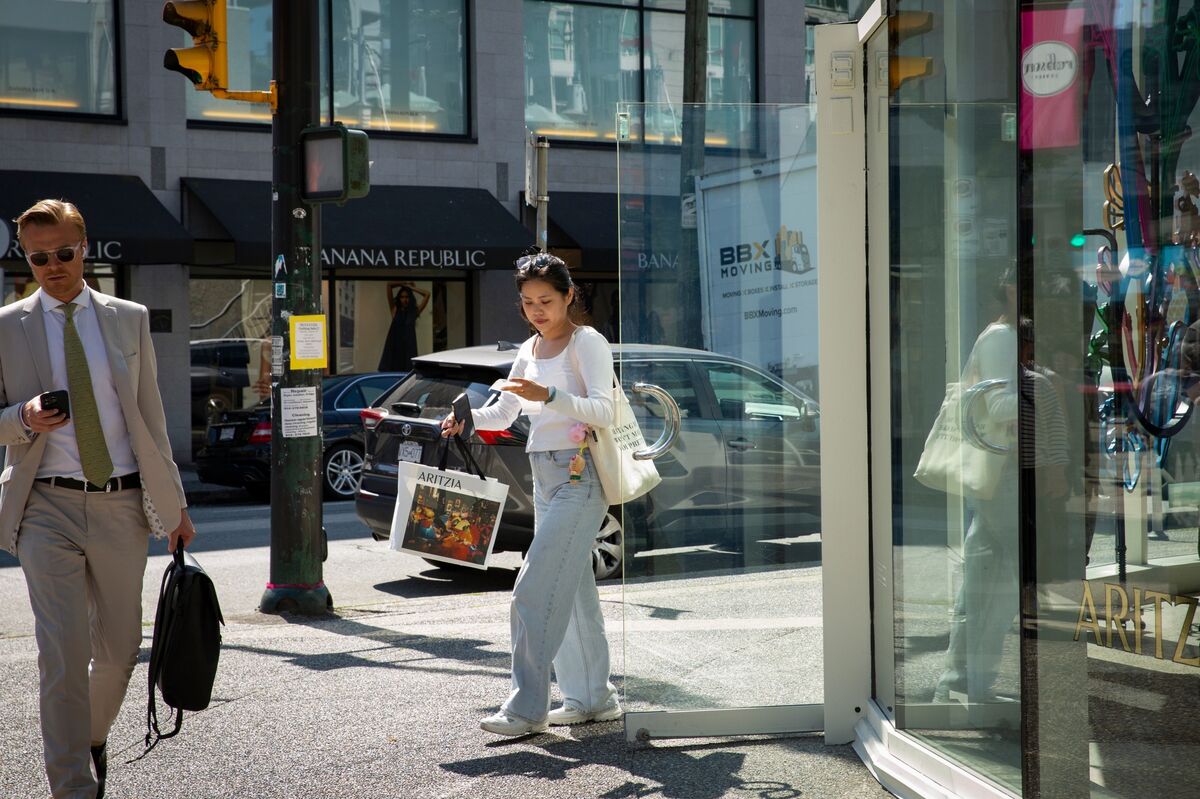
pixel 296 583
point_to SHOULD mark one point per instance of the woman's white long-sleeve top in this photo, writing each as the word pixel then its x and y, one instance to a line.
pixel 584 397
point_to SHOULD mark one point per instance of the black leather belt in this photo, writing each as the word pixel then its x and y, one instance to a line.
pixel 115 484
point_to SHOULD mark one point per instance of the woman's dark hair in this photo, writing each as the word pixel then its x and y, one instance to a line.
pixel 403 291
pixel 1006 280
pixel 548 269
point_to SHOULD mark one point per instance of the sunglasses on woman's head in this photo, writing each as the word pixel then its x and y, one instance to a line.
pixel 538 261
pixel 64 255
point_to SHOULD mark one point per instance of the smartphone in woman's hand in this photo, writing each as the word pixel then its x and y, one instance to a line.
pixel 462 414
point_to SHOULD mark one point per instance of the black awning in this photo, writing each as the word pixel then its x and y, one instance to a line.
pixel 648 236
pixel 590 220
pixel 126 224
pixel 415 227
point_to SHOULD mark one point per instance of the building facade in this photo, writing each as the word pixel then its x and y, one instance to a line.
pixel 1006 325
pixel 447 90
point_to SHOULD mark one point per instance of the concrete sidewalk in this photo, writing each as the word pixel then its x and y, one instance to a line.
pixel 199 493
pixel 384 701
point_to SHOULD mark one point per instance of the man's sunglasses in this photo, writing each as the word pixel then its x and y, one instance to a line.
pixel 64 255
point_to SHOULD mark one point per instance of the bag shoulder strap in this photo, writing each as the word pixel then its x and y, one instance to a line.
pixel 575 361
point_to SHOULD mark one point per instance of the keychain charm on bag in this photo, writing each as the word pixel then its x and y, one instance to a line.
pixel 578 434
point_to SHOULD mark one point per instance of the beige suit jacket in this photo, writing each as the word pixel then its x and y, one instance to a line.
pixel 25 373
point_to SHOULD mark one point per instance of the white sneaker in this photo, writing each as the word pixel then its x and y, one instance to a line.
pixel 567 714
pixel 503 724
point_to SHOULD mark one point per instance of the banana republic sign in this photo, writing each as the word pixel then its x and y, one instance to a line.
pixel 1138 606
pixel 405 258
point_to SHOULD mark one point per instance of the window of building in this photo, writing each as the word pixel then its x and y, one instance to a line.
pixel 59 57
pixel 399 66
pixel 248 28
pixel 582 59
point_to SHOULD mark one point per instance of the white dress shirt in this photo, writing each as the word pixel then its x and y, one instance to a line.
pixel 61 457
pixel 581 397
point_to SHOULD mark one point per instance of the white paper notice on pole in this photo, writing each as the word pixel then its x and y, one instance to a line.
pixel 298 412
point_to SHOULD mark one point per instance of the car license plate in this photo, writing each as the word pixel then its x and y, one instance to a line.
pixel 227 433
pixel 410 451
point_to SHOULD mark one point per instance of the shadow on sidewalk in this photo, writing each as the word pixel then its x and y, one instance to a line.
pixel 379 644
pixel 438 581
pixel 697 771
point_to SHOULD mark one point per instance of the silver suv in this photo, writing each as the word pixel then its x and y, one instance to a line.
pixel 746 458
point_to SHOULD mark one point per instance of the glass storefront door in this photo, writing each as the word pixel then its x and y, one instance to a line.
pixel 1034 279
pixel 1110 296
pixel 718 308
pixel 942 157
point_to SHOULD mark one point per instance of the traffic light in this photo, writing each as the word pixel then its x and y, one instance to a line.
pixel 905 25
pixel 336 164
pixel 206 64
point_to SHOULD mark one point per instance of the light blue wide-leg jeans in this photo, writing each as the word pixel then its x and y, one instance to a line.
pixel 555 614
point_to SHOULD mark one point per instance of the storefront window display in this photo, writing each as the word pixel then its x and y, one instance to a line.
pixel 375 325
pixel 1045 622
pixel 398 65
pixel 1108 106
pixel 382 325
pixel 59 56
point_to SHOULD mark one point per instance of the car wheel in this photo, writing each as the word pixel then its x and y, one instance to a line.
pixel 607 551
pixel 342 471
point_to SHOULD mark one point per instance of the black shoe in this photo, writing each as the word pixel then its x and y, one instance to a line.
pixel 100 760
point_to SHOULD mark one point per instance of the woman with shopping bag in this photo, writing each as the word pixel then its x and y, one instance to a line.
pixel 563 379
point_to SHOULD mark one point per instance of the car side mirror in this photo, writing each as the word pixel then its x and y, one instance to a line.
pixel 808 419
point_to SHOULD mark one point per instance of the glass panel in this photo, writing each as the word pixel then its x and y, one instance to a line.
pixel 723 558
pixel 58 55
pixel 580 61
pixel 1110 370
pixel 952 179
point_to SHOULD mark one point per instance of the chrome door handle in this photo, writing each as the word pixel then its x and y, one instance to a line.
pixel 741 444
pixel 670 422
pixel 970 432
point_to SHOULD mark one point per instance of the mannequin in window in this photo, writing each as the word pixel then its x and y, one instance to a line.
pixel 400 347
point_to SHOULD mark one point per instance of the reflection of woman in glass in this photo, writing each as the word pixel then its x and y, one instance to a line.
pixel 400 347
pixel 987 600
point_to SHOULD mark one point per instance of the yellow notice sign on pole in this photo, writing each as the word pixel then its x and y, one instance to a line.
pixel 309 342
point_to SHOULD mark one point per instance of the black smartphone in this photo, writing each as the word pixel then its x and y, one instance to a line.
pixel 462 413
pixel 57 401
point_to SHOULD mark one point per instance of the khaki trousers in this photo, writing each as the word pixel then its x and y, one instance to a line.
pixel 84 558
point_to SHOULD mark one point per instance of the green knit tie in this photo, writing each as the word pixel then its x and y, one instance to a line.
pixel 89 437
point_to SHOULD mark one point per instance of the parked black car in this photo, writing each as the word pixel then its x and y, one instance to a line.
pixel 237 448
pixel 221 371
pixel 747 456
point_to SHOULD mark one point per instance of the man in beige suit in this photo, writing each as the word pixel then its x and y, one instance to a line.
pixel 81 491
